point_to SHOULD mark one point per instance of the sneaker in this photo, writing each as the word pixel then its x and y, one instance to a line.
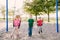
pixel 39 32
pixel 30 35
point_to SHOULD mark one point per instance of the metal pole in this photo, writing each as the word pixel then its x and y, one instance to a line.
pixel 6 15
pixel 57 27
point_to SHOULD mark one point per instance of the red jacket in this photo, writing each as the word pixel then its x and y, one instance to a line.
pixel 39 22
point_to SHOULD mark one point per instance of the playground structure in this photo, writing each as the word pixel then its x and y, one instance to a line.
pixel 57 27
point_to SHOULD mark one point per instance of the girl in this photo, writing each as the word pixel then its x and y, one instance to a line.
pixel 16 25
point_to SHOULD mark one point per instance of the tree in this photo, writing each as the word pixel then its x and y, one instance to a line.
pixel 3 11
pixel 11 12
pixel 49 7
pixel 35 7
pixel 59 4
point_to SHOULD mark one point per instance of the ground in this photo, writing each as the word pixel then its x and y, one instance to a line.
pixel 49 32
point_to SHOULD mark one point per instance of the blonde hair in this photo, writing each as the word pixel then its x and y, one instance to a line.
pixel 17 16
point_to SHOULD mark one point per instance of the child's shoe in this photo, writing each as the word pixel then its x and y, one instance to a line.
pixel 39 32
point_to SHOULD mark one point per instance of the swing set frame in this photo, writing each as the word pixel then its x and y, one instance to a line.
pixel 57 26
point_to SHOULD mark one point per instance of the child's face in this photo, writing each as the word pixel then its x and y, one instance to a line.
pixel 39 17
pixel 30 16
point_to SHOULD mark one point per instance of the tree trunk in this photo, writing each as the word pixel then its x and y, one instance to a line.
pixel 36 17
pixel 4 17
pixel 48 16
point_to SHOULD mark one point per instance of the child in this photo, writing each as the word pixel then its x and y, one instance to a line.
pixel 39 24
pixel 17 21
pixel 30 22
pixel 16 25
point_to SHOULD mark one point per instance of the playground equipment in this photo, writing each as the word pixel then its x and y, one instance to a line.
pixel 57 27
pixel 7 13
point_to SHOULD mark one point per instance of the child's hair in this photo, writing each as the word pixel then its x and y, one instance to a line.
pixel 17 16
pixel 39 17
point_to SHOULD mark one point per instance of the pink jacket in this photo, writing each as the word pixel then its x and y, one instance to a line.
pixel 16 22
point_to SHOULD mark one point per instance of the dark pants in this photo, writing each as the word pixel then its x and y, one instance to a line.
pixel 30 31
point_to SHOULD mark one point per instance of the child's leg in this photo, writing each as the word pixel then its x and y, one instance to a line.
pixel 30 31
pixel 41 29
pixel 13 32
pixel 17 31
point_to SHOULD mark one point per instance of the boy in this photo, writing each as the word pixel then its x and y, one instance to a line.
pixel 30 22
pixel 39 24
